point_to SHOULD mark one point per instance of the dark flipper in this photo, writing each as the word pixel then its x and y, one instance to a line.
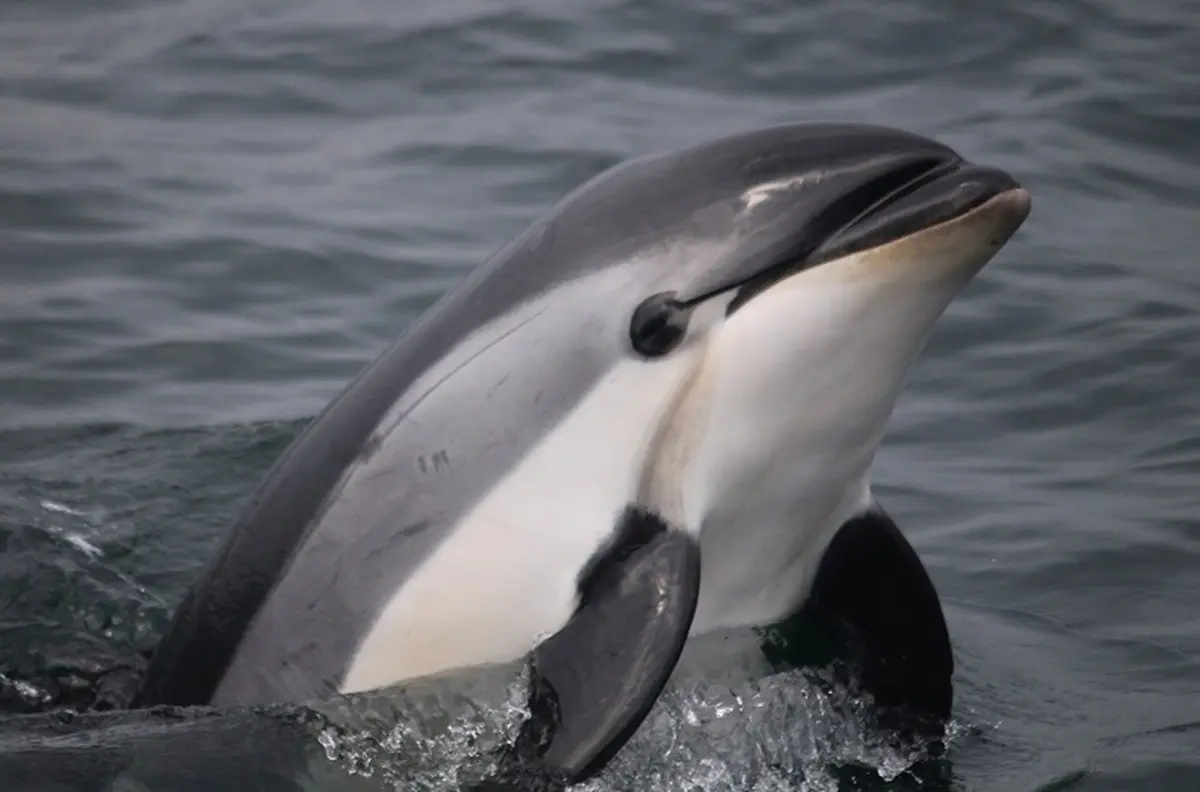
pixel 595 680
pixel 873 597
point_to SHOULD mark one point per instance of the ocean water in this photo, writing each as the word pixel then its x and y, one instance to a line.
pixel 213 214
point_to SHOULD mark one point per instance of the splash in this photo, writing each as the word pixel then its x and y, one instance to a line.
pixel 790 731
pixel 435 736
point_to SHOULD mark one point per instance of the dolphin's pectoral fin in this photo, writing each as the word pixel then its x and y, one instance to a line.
pixel 873 598
pixel 595 680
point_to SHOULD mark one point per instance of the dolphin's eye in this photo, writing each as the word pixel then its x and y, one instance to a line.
pixel 658 325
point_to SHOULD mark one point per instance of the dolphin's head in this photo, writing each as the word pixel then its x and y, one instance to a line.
pixel 804 280
pixel 797 208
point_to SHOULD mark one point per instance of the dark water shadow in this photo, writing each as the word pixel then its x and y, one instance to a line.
pixel 169 749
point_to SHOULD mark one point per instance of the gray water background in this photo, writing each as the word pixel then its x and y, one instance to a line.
pixel 213 213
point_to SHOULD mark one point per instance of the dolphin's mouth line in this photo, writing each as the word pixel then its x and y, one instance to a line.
pixel 919 194
pixel 945 192
pixel 902 182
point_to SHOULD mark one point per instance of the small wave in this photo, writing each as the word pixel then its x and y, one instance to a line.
pixel 795 730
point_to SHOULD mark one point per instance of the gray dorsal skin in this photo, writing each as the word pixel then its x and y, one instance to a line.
pixel 378 477
pixel 457 435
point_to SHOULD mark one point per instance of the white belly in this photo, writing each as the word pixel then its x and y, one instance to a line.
pixel 507 576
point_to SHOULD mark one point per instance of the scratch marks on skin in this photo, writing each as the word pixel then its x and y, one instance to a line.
pixel 496 387
pixel 420 526
pixel 373 445
pixel 756 195
pixel 436 462
pixel 329 586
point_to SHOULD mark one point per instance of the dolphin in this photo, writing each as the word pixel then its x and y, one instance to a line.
pixel 649 417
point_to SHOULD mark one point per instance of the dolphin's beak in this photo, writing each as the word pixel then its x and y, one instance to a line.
pixel 860 188
pixel 908 202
